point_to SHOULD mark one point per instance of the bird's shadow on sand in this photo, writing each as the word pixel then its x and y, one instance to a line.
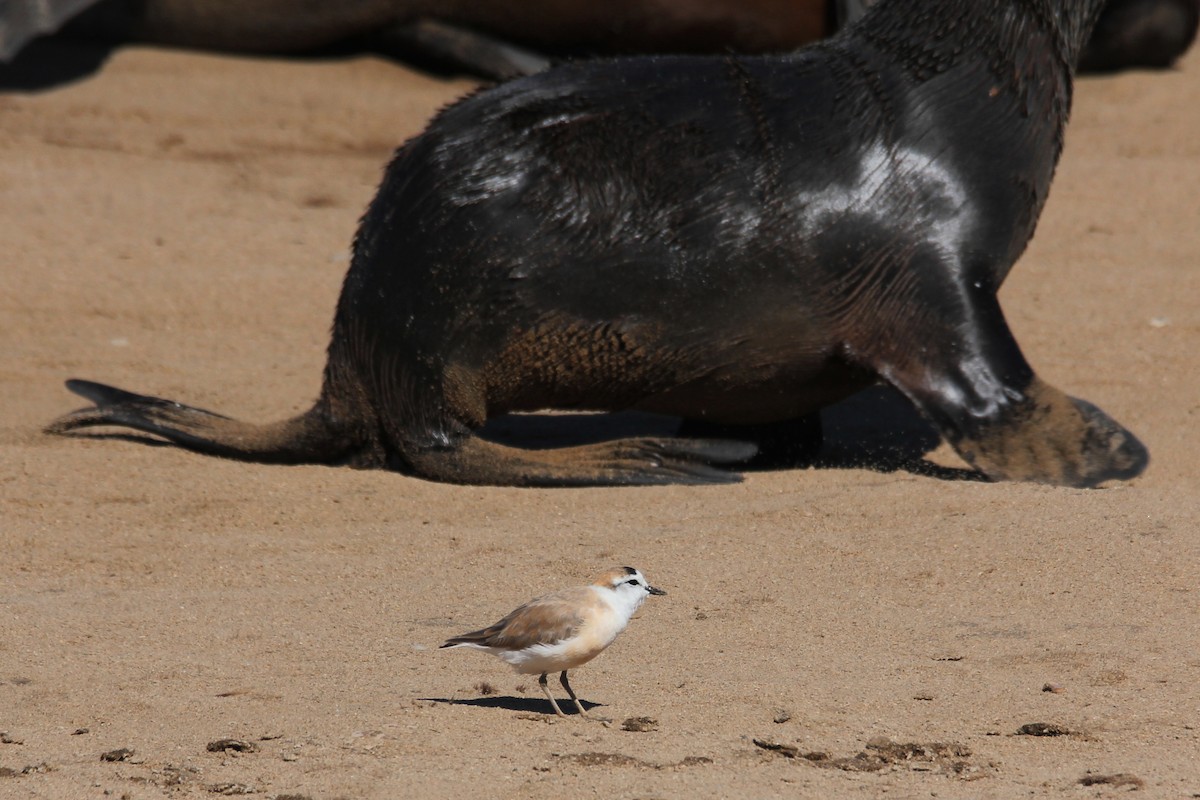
pixel 529 705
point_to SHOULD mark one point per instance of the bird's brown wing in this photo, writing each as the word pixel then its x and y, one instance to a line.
pixel 543 620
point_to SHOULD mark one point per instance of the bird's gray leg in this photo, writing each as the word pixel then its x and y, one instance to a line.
pixel 563 680
pixel 550 697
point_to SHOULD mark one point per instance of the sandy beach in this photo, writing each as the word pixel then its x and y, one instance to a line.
pixel 179 224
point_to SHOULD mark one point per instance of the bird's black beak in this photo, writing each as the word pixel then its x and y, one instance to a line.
pixel 654 590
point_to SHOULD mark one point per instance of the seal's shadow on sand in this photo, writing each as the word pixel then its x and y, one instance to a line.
pixel 879 429
pixel 876 429
pixel 531 705
pixel 50 63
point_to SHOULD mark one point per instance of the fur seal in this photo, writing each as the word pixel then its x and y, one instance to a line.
pixel 737 241
pixel 1129 33
pixel 500 39
pixel 1141 33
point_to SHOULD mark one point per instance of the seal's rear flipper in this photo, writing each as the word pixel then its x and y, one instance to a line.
pixel 308 438
pixel 624 462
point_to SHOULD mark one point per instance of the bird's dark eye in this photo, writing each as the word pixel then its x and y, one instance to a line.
pixel 632 582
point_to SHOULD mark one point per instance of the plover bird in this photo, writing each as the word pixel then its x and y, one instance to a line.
pixel 565 629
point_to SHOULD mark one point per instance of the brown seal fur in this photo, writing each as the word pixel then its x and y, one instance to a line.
pixel 734 241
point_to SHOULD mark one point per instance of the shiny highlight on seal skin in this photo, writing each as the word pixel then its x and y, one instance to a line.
pixel 565 629
pixel 736 241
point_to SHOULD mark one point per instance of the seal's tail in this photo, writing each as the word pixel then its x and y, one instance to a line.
pixel 308 438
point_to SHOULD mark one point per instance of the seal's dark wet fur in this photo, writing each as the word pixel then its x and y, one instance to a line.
pixel 737 241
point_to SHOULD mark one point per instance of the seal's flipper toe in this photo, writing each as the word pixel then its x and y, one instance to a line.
pixel 102 394
pixel 1110 451
pixel 624 462
pixel 708 451
pixel 656 462
pixel 105 396
pixel 780 445
pixel 120 408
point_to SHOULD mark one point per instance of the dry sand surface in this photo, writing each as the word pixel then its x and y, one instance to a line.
pixel 179 224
